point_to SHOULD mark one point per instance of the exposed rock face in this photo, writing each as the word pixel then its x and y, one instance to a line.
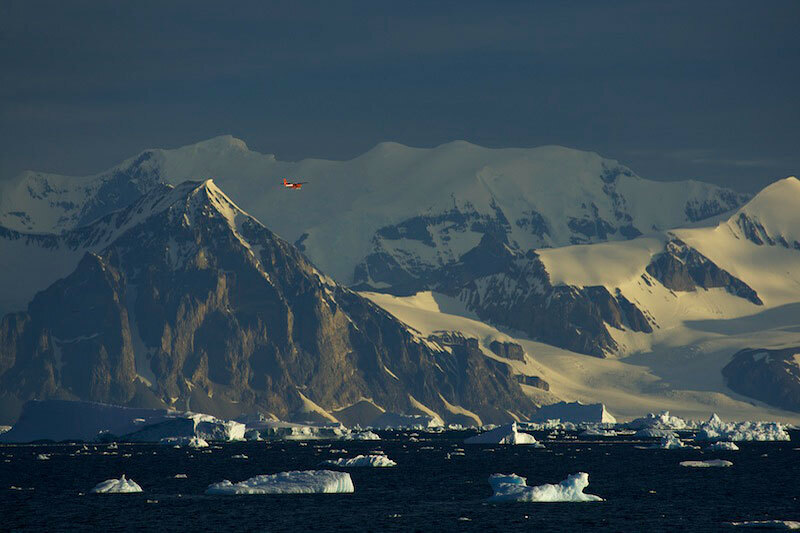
pixel 197 305
pixel 772 376
pixel 509 350
pixel 572 317
pixel 533 381
pixel 682 268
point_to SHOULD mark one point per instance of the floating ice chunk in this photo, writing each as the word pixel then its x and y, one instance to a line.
pixel 662 420
pixel 181 476
pixel 716 429
pixel 116 486
pixel 652 432
pixel 709 463
pixel 595 432
pixel 507 434
pixel 390 420
pixel 769 524
pixel 361 460
pixel 722 446
pixel 514 488
pixel 239 456
pixel 191 442
pixel 295 482
pixel 361 435
pixel 43 457
pixel 671 442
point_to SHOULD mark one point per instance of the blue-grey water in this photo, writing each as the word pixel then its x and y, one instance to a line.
pixel 645 490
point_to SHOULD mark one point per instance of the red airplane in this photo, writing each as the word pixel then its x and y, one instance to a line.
pixel 290 185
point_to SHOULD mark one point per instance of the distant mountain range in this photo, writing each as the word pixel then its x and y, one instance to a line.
pixel 193 300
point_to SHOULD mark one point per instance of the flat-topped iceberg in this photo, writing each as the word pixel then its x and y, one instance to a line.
pixel 662 420
pixel 768 524
pixel 389 420
pixel 717 430
pixel 596 432
pixel 507 434
pixel 722 446
pixel 574 412
pixel 708 463
pixel 294 482
pixel 514 488
pixel 264 429
pixel 361 460
pixel 116 486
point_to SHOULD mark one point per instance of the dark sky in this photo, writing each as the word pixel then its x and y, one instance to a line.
pixel 675 90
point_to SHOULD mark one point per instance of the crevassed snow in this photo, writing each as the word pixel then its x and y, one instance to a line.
pixel 294 482
pixel 708 463
pixel 116 486
pixel 514 488
pixel 507 434
pixel 717 430
pixel 360 460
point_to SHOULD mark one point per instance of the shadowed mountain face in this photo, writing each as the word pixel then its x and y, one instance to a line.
pixel 197 305
pixel 772 376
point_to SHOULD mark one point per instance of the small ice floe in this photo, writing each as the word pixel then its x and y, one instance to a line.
pixel 507 434
pixel 239 456
pixel 361 460
pixel 672 443
pixel 715 430
pixel 768 524
pixel 116 486
pixel 295 482
pixel 191 442
pixel 514 488
pixel 42 457
pixel 181 476
pixel 709 463
pixel 722 446
pixel 654 433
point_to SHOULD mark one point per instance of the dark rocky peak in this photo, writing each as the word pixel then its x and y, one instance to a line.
pixel 681 268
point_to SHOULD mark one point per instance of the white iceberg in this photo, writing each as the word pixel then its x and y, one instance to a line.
pixel 662 420
pixel 514 488
pixel 116 486
pixel 361 435
pixel 653 432
pixel 43 457
pixel 191 442
pixel 715 429
pixel 671 443
pixel 708 463
pixel 361 460
pixel 596 432
pixel 723 446
pixel 769 524
pixel 390 420
pixel 64 420
pixel 507 434
pixel 295 482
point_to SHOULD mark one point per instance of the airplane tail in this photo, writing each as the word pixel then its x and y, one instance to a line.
pixel 285 183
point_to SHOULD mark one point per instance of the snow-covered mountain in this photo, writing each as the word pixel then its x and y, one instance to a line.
pixel 394 215
pixel 184 300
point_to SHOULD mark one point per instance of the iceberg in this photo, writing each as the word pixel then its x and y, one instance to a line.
pixel 360 460
pixel 722 446
pixel 389 420
pixel 116 486
pixel 652 432
pixel 663 420
pixel 64 420
pixel 294 482
pixel 263 429
pixel 769 524
pixel 574 412
pixel 514 488
pixel 507 434
pixel 596 432
pixel 671 443
pixel 717 430
pixel 191 442
pixel 708 463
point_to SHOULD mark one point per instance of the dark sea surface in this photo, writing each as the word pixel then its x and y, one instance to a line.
pixel 645 490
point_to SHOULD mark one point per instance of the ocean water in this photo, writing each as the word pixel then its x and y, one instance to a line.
pixel 645 490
